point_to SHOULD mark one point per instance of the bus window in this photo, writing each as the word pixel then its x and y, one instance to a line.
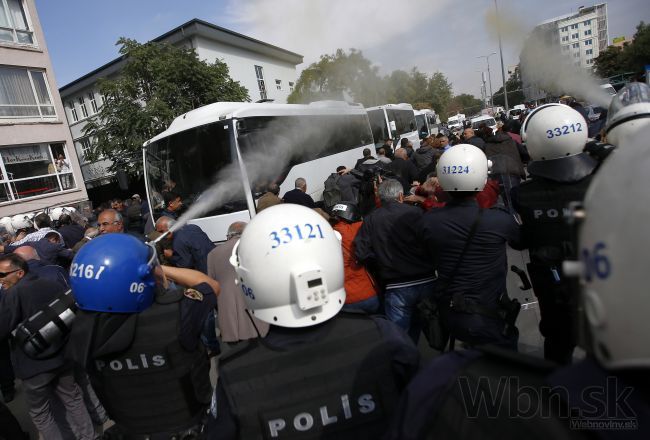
pixel 404 120
pixel 192 159
pixel 272 145
pixel 378 125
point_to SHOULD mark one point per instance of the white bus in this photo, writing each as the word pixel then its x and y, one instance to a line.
pixel 394 121
pixel 223 155
pixel 427 122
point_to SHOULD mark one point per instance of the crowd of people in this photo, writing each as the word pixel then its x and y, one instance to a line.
pixel 315 309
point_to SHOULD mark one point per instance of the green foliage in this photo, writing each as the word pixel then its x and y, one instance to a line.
pixel 158 83
pixel 346 76
pixel 632 57
pixel 466 104
pixel 515 91
pixel 338 75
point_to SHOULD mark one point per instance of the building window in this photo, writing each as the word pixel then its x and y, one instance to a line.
pixel 85 145
pixel 565 39
pixel 14 26
pixel 93 103
pixel 590 61
pixel 33 170
pixel 564 29
pixel 574 26
pixel 82 105
pixel 24 94
pixel 576 55
pixel 73 112
pixel 290 86
pixel 260 81
pixel 587 42
pixel 587 32
pixel 589 51
pixel 575 45
pixel 586 22
pixel 574 36
pixel 278 84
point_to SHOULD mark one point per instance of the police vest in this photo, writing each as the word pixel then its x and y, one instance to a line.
pixel 341 386
pixel 500 396
pixel 543 207
pixel 155 386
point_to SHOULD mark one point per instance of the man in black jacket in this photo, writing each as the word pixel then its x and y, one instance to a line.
pixel 388 241
pixel 22 296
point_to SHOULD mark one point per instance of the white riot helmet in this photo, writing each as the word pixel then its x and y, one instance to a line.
pixel 289 266
pixel 614 252
pixel 553 131
pixel 629 113
pixel 5 223
pixel 56 213
pixel 463 167
pixel 555 137
pixel 21 221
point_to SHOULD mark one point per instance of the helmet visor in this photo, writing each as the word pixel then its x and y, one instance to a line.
pixel 633 93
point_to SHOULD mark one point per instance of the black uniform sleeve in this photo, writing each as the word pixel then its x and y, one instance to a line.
pixel 193 315
pixel 224 425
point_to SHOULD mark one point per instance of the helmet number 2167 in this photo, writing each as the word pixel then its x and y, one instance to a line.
pixel 86 271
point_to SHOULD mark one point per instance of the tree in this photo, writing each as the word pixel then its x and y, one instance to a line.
pixel 465 103
pixel 515 91
pixel 632 57
pixel 439 94
pixel 158 82
pixel 609 62
pixel 335 76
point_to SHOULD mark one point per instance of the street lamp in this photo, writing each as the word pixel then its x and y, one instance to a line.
pixel 503 72
pixel 487 58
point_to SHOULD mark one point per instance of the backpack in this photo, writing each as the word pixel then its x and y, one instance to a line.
pixel 332 191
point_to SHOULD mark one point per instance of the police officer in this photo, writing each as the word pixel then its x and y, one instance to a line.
pixel 604 396
pixel 629 114
pixel 555 136
pixel 318 373
pixel 139 338
pixel 468 246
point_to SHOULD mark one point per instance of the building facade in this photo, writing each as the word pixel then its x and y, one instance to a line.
pixel 38 164
pixel 267 71
pixel 580 36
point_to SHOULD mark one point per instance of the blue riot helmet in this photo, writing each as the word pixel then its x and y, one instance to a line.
pixel 114 273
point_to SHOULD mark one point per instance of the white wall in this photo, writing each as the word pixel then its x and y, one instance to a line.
pixel 241 64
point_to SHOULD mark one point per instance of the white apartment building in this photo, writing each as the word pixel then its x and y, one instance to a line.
pixel 580 35
pixel 38 164
pixel 267 71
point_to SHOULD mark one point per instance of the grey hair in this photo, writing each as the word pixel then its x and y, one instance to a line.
pixel 235 230
pixel 301 182
pixel 389 190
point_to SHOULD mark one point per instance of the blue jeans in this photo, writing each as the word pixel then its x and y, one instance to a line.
pixel 400 307
pixel 369 306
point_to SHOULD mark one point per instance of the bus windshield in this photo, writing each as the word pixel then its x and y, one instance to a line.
pixel 187 163
pixel 378 125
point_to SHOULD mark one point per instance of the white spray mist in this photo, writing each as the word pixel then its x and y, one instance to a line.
pixel 544 65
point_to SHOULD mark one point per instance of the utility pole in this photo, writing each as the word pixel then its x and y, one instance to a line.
pixel 503 72
pixel 487 58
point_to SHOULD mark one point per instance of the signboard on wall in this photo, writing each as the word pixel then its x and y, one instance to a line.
pixel 617 40
pixel 30 153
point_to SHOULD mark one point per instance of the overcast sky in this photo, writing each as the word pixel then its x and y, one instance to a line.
pixel 432 35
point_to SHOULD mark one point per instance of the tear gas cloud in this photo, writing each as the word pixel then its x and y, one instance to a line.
pixel 543 64
pixel 265 160
pixel 316 27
